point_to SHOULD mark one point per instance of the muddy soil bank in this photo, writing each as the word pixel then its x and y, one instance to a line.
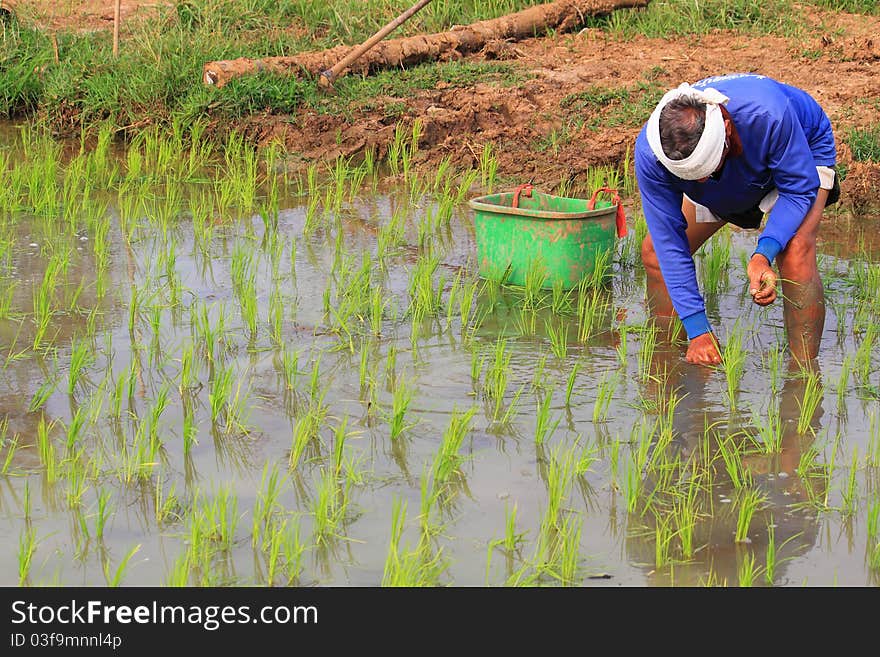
pixel 540 128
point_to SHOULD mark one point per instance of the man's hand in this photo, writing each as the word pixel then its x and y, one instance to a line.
pixel 703 350
pixel 762 280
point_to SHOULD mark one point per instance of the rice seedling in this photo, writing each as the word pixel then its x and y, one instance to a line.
pixel 430 496
pixel 276 318
pixel 220 391
pixel 569 383
pixel 466 304
pixel 329 507
pixel 540 377
pixel 46 450
pixel 448 461
pixel 621 348
pixel 510 411
pixel 665 428
pixel 614 463
pixel 43 393
pixel 604 394
pixel 544 429
pixel 748 571
pixel 44 298
pixel 770 430
pixel 76 480
pixel 685 512
pixel 27 547
pixel 873 521
pixel 750 501
pixel 533 282
pixel 874 557
pixel 872 456
pixel 294 550
pixel 512 538
pixel 809 402
pixel 563 560
pixel 715 261
pixel 268 502
pixel 646 352
pixel 590 306
pixel 400 400
pixel 409 568
pixel 273 549
pixel 560 470
pixel 167 508
pixel 102 513
pixel 733 358
pixel 497 375
pixel 740 476
pixel 488 167
pixel 863 355
pixel 378 302
pixel 588 456
pixel 632 484
pixel 843 382
pixel 558 339
pixel 425 299
pixel 663 535
pixel 305 431
pixel 11 445
pixel 221 518
pixel 849 493
pixel 115 579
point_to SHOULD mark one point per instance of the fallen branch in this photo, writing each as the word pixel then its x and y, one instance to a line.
pixel 561 16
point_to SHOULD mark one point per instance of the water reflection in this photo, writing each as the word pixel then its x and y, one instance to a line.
pixel 683 527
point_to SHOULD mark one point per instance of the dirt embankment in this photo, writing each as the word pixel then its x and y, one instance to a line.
pixel 540 136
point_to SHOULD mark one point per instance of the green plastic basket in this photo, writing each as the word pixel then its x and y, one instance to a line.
pixel 555 237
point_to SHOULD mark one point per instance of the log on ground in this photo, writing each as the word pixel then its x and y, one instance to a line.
pixel 561 16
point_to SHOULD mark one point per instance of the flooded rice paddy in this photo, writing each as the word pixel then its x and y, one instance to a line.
pixel 216 373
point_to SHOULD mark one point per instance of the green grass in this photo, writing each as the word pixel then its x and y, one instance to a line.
pixel 158 72
pixel 850 6
pixel 156 78
pixel 680 17
pixel 609 107
pixel 865 143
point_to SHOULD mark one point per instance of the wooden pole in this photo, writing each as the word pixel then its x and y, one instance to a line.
pixel 328 76
pixel 116 28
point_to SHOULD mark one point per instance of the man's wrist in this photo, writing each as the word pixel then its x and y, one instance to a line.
pixel 696 325
pixel 769 248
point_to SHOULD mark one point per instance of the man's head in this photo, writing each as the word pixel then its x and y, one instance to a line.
pixel 682 121
pixel 687 132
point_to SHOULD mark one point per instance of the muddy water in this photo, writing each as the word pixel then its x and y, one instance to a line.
pixel 503 466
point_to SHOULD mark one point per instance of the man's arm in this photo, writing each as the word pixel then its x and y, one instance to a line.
pixel 793 167
pixel 661 204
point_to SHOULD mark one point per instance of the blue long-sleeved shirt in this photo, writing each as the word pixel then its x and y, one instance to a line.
pixel 785 135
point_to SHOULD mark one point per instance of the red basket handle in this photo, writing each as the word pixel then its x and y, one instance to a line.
pixel 620 219
pixel 525 189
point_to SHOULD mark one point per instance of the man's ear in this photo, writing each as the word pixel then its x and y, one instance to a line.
pixel 728 128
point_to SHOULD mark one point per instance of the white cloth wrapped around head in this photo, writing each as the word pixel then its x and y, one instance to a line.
pixel 706 157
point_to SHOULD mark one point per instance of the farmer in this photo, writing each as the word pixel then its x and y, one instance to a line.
pixel 728 150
